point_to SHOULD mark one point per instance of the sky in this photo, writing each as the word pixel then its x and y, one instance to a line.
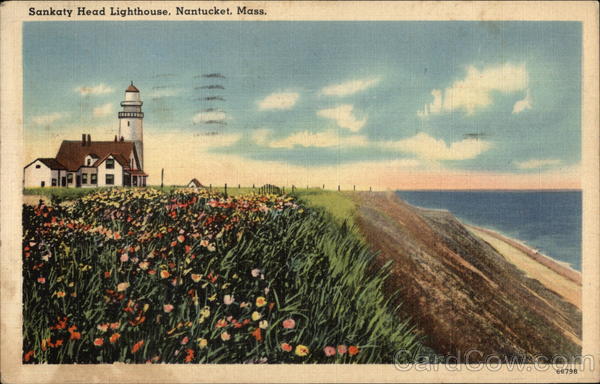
pixel 387 105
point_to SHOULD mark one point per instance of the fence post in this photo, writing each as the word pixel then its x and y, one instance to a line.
pixel 239 186
pixel 338 187
pixel 370 189
pixel 225 190
pixel 355 188
pixel 210 187
pixel 323 186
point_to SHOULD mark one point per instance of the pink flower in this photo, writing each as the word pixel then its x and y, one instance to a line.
pixel 124 257
pixel 329 350
pixel 168 308
pixel 228 299
pixel 185 340
pixel 255 272
pixel 41 280
pixel 342 349
pixel 288 323
pixel 99 342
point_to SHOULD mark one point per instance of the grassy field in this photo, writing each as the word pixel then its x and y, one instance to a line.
pixel 140 275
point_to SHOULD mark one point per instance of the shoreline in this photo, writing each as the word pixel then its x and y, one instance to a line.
pixel 556 266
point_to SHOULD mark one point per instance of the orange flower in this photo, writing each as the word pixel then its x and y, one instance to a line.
pixel 117 236
pixel 257 334
pixel 115 325
pixel 99 342
pixel 190 355
pixel 136 347
pixel 261 301
pixel 28 356
pixel 221 323
pixel 188 249
pixel 60 294
pixel 173 243
pixel 181 238
pixel 113 339
pixel 164 274
pixel 58 343
pixel 286 347
pixel 353 350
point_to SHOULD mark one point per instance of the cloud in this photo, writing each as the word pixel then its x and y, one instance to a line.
pixel 344 117
pixel 349 87
pixel 47 119
pixel 279 100
pixel 523 104
pixel 537 163
pixel 204 117
pixel 326 139
pixel 475 90
pixel 103 110
pixel 429 148
pixel 95 90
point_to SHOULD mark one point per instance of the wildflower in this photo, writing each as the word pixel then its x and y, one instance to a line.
pixel 122 287
pixel 28 356
pixel 124 258
pixel 221 323
pixel 301 350
pixel 115 325
pixel 164 274
pixel 286 347
pixel 146 307
pixel 329 351
pixel 144 265
pixel 261 301
pixel 256 316
pixel 41 280
pixel 225 336
pixel 106 274
pixel 213 297
pixel 168 308
pixel 189 355
pixel 267 290
pixel 244 304
pixel 353 350
pixel 187 249
pixel 211 247
pixel 181 238
pixel 117 236
pixel 255 272
pixel 196 278
pixel 257 334
pixel 342 349
pixel 202 342
pixel 204 243
pixel 102 327
pixel 136 347
pixel 114 337
pixel 99 342
pixel 173 243
pixel 264 324
pixel 60 294
pixel 185 340
pixel 205 312
pixel 228 299
pixel 288 323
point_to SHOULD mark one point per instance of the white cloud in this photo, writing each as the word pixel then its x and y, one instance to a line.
pixel 537 163
pixel 210 116
pixel 429 148
pixel 523 104
pixel 349 87
pixel 103 110
pixel 475 90
pixel 279 100
pixel 47 119
pixel 94 90
pixel 326 139
pixel 344 117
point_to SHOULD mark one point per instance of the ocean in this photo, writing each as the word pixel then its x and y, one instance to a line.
pixel 549 221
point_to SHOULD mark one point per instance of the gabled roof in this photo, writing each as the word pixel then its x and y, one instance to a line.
pixel 196 183
pixel 117 156
pixel 48 162
pixel 72 153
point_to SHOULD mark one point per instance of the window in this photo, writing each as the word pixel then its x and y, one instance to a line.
pixel 89 161
pixel 43 184
pixel 84 178
pixel 110 164
pixel 54 182
pixel 94 178
pixel 69 178
pixel 110 179
pixel 37 166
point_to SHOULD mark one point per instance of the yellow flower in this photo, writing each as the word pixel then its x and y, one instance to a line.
pixel 122 286
pixel 301 350
pixel 202 342
pixel 205 312
pixel 213 297
pixel 256 315
pixel 261 301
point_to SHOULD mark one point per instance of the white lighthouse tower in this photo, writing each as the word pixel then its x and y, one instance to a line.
pixel 131 119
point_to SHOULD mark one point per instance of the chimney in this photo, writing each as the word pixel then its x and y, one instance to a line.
pixel 83 139
pixel 89 139
pixel 115 138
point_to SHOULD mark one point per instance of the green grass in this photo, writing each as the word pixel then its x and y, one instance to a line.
pixel 339 205
pixel 312 270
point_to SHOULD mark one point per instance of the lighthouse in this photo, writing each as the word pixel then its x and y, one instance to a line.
pixel 131 121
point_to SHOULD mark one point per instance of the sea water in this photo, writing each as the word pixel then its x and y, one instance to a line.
pixel 549 221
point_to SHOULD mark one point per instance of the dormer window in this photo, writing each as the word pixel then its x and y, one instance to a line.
pixel 89 162
pixel 110 163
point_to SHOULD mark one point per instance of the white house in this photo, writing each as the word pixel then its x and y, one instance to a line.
pixel 88 163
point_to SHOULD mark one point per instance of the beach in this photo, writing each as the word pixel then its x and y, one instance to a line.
pixel 553 274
